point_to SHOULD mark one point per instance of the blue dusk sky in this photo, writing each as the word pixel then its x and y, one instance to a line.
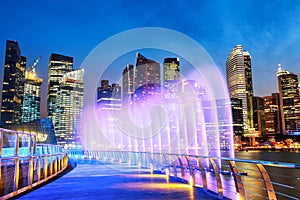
pixel 269 30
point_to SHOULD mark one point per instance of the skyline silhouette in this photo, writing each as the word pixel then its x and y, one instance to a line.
pixel 268 30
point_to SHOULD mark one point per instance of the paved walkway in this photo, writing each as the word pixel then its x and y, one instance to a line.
pixel 97 180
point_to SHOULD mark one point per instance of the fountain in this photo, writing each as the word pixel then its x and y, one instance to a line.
pixel 165 122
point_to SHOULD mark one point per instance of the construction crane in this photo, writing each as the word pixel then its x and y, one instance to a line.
pixel 31 68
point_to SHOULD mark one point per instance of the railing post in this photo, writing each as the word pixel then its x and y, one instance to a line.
pixel 166 165
pixel 154 161
pixel 30 167
pixel 30 145
pixel 51 165
pixel 39 169
pixel 203 173
pixel 268 184
pixel 1 144
pixel 16 175
pixel 30 171
pixel 218 177
pixel 59 163
pixel 175 169
pixel 17 144
pixel 34 145
pixel 67 160
pixel 191 170
pixel 17 164
pixel 237 180
pixel 137 158
pixel 55 165
pixel 181 167
pixel 45 167
pixel 139 164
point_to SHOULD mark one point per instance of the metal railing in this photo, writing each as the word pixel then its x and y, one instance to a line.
pixel 225 177
pixel 25 164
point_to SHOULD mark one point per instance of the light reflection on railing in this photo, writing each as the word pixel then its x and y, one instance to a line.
pixel 25 164
pixel 225 177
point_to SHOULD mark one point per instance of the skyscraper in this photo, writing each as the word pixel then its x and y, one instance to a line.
pixel 272 115
pixel 109 101
pixel 239 81
pixel 127 78
pixel 32 99
pixel 289 101
pixel 58 66
pixel 146 73
pixel 259 115
pixel 237 119
pixel 13 84
pixel 69 106
pixel 109 96
pixel 171 70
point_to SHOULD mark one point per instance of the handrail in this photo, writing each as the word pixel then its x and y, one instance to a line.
pixel 19 173
pixel 223 176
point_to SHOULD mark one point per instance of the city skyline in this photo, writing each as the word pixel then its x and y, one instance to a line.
pixel 269 33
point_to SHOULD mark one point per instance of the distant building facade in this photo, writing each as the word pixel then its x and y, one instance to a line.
pixel 272 115
pixel 259 115
pixel 128 83
pixel 42 128
pixel 237 119
pixel 223 127
pixel 13 84
pixel 109 96
pixel 171 71
pixel 32 97
pixel 289 102
pixel 146 74
pixel 239 81
pixel 69 108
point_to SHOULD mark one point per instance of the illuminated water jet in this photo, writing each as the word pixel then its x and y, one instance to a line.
pixel 178 122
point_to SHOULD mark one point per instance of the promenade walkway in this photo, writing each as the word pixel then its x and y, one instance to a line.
pixel 98 180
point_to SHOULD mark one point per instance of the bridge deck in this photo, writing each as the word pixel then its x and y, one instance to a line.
pixel 98 180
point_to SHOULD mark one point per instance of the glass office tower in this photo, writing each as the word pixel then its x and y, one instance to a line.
pixel 58 66
pixel 69 107
pixel 239 81
pixel 13 84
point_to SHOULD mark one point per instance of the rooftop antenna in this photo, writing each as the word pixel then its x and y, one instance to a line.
pixel 279 67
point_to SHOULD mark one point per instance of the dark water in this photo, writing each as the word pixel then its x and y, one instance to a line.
pixel 290 157
pixel 286 181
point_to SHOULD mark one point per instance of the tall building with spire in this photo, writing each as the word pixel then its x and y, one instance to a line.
pixel 289 101
pixel 69 108
pixel 58 66
pixel 13 84
pixel 146 75
pixel 32 98
pixel 239 81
